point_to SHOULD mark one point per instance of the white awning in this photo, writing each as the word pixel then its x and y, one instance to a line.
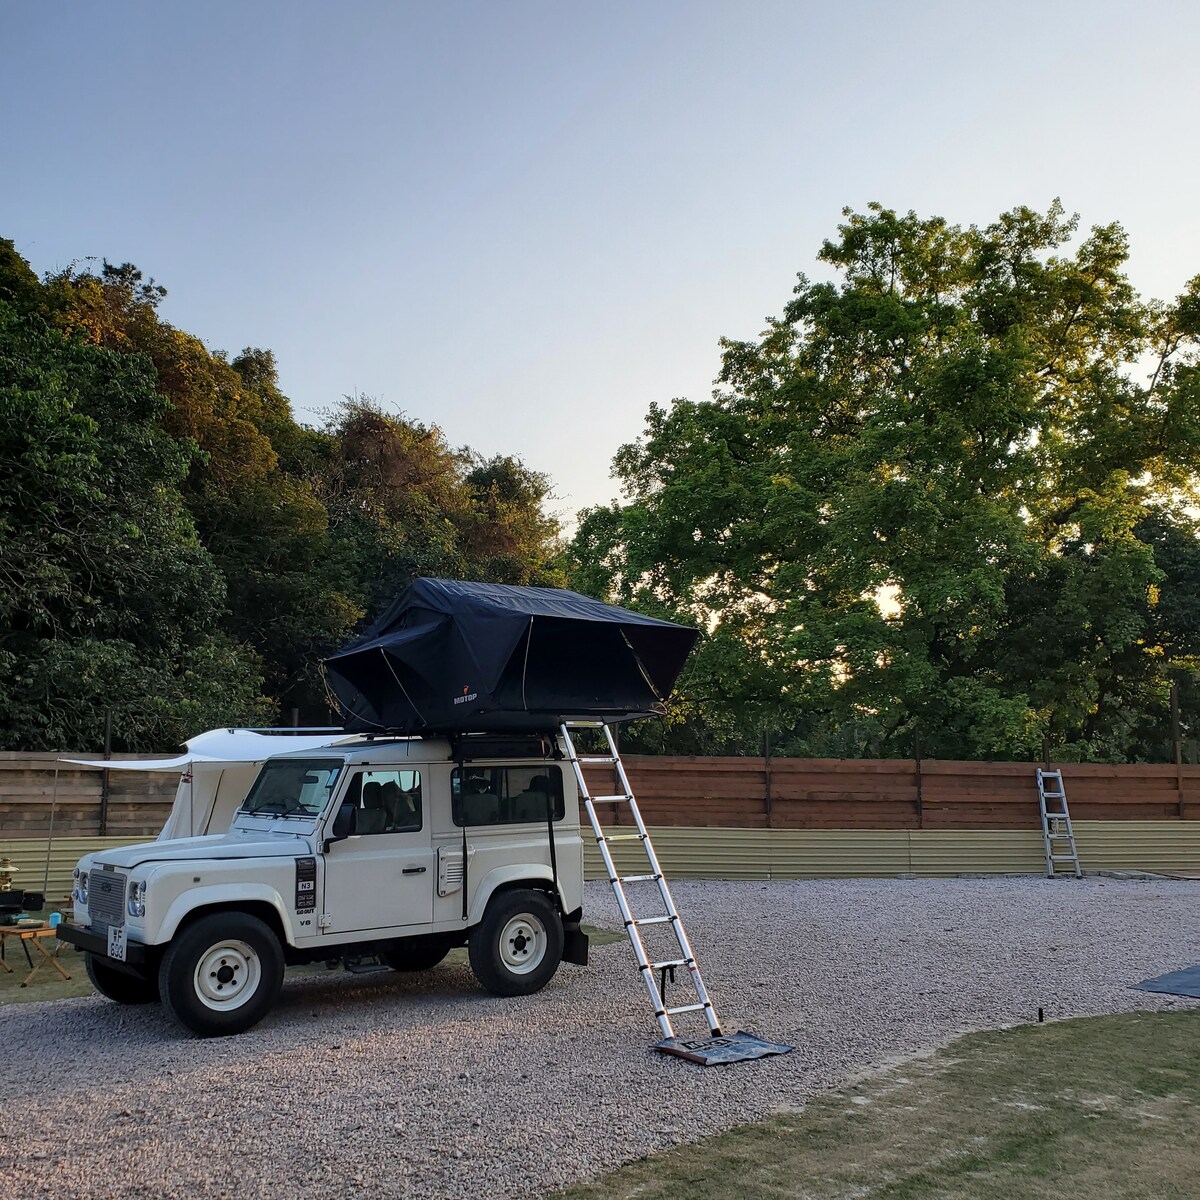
pixel 219 747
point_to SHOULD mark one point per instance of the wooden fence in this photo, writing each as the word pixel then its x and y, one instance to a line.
pixel 830 793
pixel 137 804
pixel 749 793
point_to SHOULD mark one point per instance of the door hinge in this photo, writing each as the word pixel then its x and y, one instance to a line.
pixel 324 921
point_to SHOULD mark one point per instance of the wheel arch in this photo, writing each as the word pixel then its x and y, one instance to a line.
pixel 261 909
pixel 514 879
pixel 261 902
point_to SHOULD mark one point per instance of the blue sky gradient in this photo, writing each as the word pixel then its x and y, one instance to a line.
pixel 526 221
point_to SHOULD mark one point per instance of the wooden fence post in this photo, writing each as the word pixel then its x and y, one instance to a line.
pixel 920 790
pixel 1177 745
pixel 103 831
pixel 767 777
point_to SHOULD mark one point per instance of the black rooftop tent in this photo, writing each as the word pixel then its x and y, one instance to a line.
pixel 453 657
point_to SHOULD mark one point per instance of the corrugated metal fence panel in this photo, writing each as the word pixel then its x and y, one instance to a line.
pixel 835 853
pixel 708 853
pixel 28 855
pixel 976 851
pixel 704 853
pixel 1138 845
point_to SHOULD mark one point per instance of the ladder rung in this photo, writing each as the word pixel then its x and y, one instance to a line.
pixel 1062 858
pixel 622 837
pixel 684 1008
pixel 608 761
pixel 610 799
pixel 650 920
pixel 670 962
pixel 637 878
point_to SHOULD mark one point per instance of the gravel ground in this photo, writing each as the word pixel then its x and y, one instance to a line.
pixel 422 1086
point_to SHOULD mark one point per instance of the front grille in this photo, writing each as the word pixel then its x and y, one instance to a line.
pixel 106 899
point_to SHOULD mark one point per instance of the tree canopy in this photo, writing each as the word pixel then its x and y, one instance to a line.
pixel 176 547
pixel 952 490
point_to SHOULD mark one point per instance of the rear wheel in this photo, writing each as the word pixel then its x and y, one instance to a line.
pixel 118 985
pixel 517 947
pixel 221 974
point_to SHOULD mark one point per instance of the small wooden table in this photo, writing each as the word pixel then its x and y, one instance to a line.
pixel 35 934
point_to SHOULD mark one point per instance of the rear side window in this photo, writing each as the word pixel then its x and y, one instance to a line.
pixel 506 795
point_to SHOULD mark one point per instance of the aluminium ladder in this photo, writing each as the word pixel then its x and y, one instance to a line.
pixel 1056 823
pixel 633 924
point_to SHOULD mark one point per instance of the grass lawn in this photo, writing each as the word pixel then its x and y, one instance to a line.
pixel 1097 1108
pixel 49 985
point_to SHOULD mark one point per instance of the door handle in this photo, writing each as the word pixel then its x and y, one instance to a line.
pixel 413 871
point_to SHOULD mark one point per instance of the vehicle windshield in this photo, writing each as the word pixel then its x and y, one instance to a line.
pixel 295 788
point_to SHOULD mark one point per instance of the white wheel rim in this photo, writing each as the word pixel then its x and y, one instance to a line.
pixel 227 975
pixel 523 944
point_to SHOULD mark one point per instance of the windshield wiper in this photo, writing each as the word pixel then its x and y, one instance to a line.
pixel 286 809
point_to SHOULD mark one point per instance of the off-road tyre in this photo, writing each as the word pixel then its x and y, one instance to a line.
pixel 221 974
pixel 516 948
pixel 415 955
pixel 120 985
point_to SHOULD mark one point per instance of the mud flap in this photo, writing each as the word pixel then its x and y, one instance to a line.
pixel 575 945
pixel 713 1051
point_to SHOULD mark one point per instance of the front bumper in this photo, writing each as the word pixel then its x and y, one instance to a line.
pixel 97 944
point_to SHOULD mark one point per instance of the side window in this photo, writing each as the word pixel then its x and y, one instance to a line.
pixel 506 795
pixel 388 800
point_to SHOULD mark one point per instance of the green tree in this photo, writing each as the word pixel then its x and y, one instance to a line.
pixel 173 542
pixel 107 598
pixel 402 502
pixel 255 508
pixel 915 501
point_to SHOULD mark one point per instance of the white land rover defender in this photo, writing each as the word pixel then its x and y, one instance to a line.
pixel 374 854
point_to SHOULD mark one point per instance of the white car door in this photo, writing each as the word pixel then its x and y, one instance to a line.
pixel 381 878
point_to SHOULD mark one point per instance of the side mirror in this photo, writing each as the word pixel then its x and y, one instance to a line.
pixel 345 823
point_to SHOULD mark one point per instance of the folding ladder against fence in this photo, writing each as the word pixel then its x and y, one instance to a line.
pixel 635 923
pixel 1058 835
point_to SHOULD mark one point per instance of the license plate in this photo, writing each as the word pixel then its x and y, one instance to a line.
pixel 116 943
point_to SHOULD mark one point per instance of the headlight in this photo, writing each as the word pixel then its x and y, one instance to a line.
pixel 137 899
pixel 80 893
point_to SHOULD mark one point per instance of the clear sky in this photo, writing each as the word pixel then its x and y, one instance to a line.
pixel 525 221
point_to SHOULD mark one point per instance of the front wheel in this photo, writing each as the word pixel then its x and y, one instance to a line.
pixel 518 945
pixel 221 974
pixel 118 985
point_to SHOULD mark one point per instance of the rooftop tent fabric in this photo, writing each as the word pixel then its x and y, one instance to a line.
pixel 454 657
